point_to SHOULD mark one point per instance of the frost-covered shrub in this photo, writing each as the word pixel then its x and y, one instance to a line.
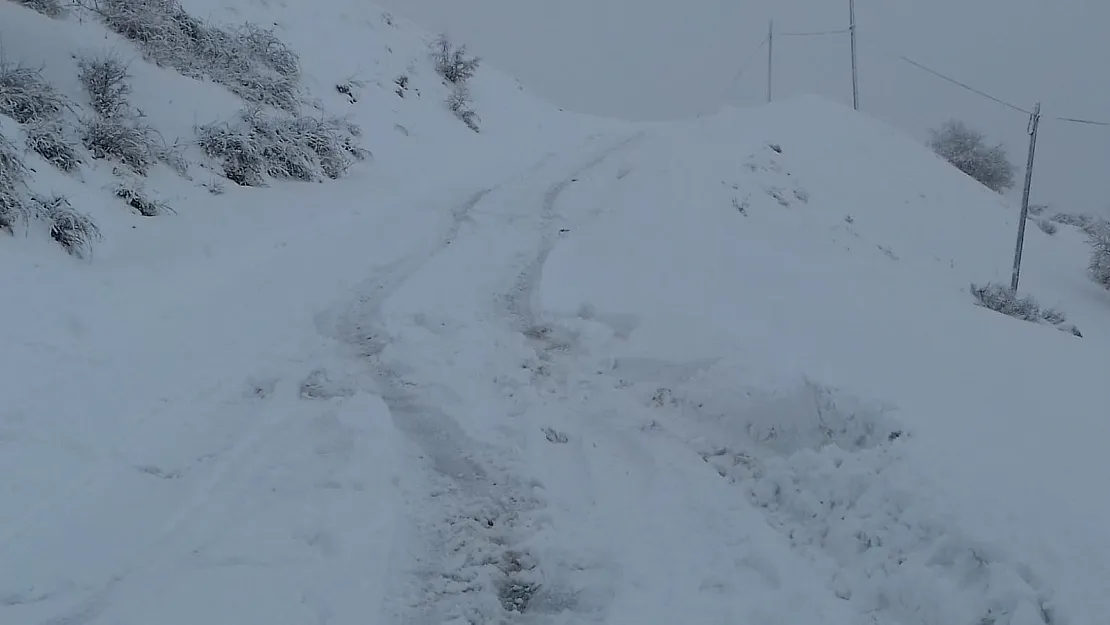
pixel 260 145
pixel 459 103
pixel 125 140
pixel 74 231
pixel 13 180
pixel 105 80
pixel 967 150
pixel 452 63
pixel 1070 219
pixel 1001 299
pixel 117 132
pixel 49 8
pixel 50 141
pixel 137 198
pixel 1047 226
pixel 1099 266
pixel 248 60
pixel 1052 316
pixel 457 69
pixel 26 97
pixel 1037 209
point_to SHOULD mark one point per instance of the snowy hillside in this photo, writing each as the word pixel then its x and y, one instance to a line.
pixel 560 370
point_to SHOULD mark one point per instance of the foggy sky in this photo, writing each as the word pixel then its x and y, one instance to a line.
pixel 652 60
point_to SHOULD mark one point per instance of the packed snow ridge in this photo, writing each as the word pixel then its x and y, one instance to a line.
pixel 312 317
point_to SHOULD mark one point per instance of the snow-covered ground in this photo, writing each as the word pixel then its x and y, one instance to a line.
pixel 563 370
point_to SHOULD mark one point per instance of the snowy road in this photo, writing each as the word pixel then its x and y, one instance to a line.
pixel 531 499
pixel 442 333
pixel 414 437
pixel 552 370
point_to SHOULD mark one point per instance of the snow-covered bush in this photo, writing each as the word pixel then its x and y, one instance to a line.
pixel 50 140
pixel 27 98
pixel 457 69
pixel 248 60
pixel 74 231
pixel 1099 267
pixel 50 8
pixel 1047 226
pixel 260 145
pixel 1001 299
pixel 452 63
pixel 125 140
pixel 105 80
pixel 1071 219
pixel 137 198
pixel 116 131
pixel 13 180
pixel 459 103
pixel 967 150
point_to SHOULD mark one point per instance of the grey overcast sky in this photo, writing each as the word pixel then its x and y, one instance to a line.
pixel 654 59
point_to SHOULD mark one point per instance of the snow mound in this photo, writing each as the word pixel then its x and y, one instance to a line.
pixel 729 256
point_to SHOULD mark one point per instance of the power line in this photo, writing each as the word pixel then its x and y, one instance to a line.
pixel 744 68
pixel 1074 120
pixel 947 78
pixel 817 33
pixel 930 70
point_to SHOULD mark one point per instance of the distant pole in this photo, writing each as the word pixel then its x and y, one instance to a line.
pixel 852 32
pixel 770 56
pixel 1034 122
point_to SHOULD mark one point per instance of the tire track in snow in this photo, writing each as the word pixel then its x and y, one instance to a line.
pixel 218 483
pixel 470 507
pixel 520 301
pixel 681 554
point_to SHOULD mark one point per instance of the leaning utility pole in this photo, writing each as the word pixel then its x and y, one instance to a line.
pixel 852 32
pixel 1034 122
pixel 770 56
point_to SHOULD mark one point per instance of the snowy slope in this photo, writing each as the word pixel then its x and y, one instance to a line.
pixel 988 503
pixel 545 373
